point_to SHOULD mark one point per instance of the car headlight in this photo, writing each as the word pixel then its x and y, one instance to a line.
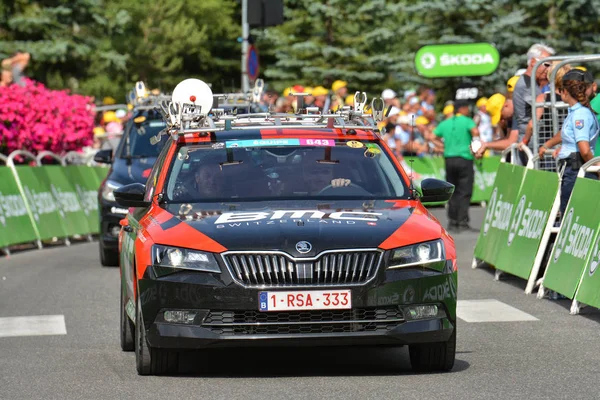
pixel 108 189
pixel 176 257
pixel 418 254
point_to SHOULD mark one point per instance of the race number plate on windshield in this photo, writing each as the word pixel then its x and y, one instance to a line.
pixel 305 300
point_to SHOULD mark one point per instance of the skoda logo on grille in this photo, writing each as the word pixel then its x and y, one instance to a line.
pixel 303 247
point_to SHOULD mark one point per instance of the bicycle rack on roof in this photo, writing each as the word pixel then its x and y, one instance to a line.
pixel 190 112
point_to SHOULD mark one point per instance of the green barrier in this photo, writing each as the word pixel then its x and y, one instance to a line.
pixel 588 291
pixel 485 173
pixel 101 173
pixel 528 222
pixel 65 195
pixel 15 223
pixel 572 250
pixel 40 200
pixel 85 182
pixel 493 237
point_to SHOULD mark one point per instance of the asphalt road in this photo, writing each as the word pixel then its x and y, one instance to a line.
pixel 551 355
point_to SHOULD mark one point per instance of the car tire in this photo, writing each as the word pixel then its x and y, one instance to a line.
pixel 108 258
pixel 150 360
pixel 127 328
pixel 431 357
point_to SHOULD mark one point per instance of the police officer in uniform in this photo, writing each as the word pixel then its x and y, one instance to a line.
pixel 578 134
pixel 457 133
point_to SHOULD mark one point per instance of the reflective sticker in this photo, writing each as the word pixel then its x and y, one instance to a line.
pixel 157 124
pixel 317 142
pixel 139 120
pixel 262 142
pixel 354 144
pixel 579 124
pixel 371 153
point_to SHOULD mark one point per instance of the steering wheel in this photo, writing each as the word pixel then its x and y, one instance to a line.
pixel 352 189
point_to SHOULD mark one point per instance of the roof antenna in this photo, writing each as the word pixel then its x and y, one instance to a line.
pixel 412 189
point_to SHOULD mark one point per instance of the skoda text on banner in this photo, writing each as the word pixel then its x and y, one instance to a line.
pixel 575 244
pixel 493 237
pixel 588 291
pixel 15 223
pixel 528 221
pixel 86 182
pixel 44 209
pixel 65 196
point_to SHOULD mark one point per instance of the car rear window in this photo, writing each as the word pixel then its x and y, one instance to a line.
pixel 283 168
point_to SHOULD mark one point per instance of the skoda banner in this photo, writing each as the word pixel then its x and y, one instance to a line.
pixel 449 60
pixel 15 222
pixel 576 247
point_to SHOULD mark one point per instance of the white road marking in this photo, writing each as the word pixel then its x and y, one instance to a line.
pixel 490 310
pixel 33 325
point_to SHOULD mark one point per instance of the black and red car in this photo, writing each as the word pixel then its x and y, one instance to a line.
pixel 284 235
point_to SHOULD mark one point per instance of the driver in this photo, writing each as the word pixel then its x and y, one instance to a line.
pixel 318 176
pixel 209 180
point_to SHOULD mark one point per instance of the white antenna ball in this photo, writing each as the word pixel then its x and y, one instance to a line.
pixel 193 91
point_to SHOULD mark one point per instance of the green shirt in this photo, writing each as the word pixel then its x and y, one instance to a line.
pixel 456 132
pixel 595 103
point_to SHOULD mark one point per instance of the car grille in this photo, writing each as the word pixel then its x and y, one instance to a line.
pixel 279 269
pixel 230 323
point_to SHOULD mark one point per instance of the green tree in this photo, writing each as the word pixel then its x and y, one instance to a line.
pixel 332 39
pixel 170 40
pixel 69 41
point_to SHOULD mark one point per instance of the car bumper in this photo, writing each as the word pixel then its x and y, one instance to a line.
pixel 227 315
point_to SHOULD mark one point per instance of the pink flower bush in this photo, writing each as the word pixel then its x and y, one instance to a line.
pixel 35 118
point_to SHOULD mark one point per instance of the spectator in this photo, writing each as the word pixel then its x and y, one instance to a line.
pixel 340 91
pixel 448 111
pixel 544 114
pixel 16 64
pixel 522 101
pixel 510 86
pixel 457 134
pixel 320 93
pixel 390 98
pixel 500 110
pixel 483 121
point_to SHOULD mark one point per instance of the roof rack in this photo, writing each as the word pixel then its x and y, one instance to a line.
pixel 183 114
pixel 141 99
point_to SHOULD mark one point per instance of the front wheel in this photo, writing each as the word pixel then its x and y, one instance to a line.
pixel 127 328
pixel 149 360
pixel 430 357
pixel 108 258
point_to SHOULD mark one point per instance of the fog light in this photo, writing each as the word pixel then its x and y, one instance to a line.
pixel 180 316
pixel 117 210
pixel 114 230
pixel 423 311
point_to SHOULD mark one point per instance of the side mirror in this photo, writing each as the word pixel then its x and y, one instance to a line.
pixel 103 156
pixel 436 191
pixel 131 195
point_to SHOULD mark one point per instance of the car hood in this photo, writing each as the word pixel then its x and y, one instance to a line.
pixel 137 172
pixel 285 226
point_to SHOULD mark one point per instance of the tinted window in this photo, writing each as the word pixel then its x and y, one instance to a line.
pixel 259 170
pixel 138 140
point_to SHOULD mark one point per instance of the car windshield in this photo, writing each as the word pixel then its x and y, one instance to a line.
pixel 138 140
pixel 251 170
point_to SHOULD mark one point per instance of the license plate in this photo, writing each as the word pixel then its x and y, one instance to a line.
pixel 305 300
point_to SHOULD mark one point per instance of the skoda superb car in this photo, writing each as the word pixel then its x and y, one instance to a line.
pixel 132 162
pixel 272 237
